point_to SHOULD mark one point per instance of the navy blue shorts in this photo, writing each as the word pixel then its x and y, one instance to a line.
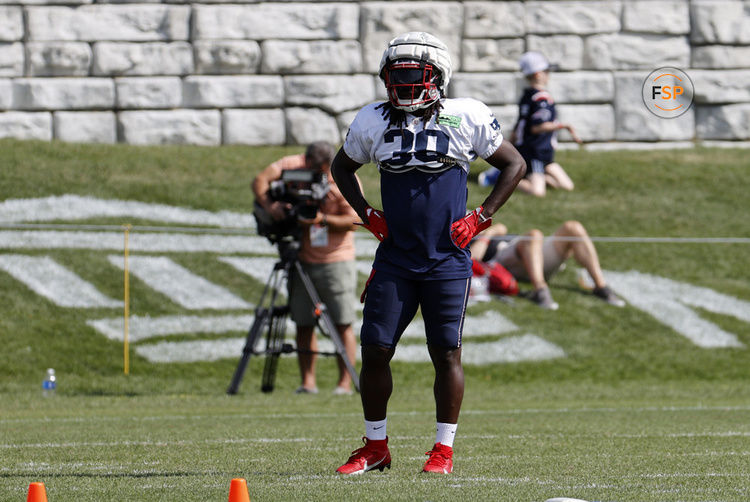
pixel 535 166
pixel 392 302
pixel 537 160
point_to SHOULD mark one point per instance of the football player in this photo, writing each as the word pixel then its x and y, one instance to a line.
pixel 422 144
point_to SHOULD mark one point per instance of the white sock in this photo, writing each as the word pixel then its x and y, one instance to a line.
pixel 445 433
pixel 375 430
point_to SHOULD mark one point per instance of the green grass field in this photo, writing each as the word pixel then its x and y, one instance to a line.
pixel 634 411
pixel 531 442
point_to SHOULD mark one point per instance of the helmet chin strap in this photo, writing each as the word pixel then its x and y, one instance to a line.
pixel 421 107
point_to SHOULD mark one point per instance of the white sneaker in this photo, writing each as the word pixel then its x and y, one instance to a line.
pixel 305 390
pixel 609 296
pixel 543 298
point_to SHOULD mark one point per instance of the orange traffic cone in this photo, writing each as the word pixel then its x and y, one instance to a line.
pixel 37 493
pixel 238 491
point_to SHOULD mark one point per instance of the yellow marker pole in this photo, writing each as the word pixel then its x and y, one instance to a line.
pixel 126 347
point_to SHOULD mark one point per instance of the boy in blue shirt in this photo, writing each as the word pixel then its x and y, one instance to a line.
pixel 535 134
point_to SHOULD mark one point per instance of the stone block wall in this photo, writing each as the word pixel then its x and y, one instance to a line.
pixel 289 72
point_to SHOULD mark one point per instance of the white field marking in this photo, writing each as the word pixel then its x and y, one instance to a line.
pixel 115 444
pixel 303 415
pixel 51 280
pixel 564 499
pixel 512 349
pixel 366 245
pixel 281 440
pixel 489 322
pixel 76 207
pixel 188 352
pixel 138 241
pixel 343 440
pixel 72 207
pixel 457 481
pixel 661 475
pixel 150 242
pixel 179 284
pixel 96 466
pixel 210 350
pixel 145 327
pixel 259 269
pixel 668 302
pixel 586 410
pixel 364 267
pixel 638 437
pixel 704 454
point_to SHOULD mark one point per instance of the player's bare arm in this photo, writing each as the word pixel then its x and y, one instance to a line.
pixel 512 169
pixel 342 170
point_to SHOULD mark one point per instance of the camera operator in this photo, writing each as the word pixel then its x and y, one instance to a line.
pixel 327 256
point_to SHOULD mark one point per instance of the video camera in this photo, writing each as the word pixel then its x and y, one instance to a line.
pixel 305 190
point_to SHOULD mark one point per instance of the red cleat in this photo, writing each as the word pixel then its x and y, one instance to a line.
pixel 373 455
pixel 440 461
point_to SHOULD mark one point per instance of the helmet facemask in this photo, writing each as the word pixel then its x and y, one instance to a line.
pixel 412 85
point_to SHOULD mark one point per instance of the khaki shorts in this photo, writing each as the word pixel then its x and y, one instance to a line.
pixel 335 284
pixel 508 258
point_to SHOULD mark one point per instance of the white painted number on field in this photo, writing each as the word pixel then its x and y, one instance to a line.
pixel 179 284
pixel 668 301
pixel 51 280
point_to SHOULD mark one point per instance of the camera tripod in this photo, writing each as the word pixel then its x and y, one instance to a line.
pixel 271 317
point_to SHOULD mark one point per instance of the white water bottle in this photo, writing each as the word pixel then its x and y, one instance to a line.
pixel 49 385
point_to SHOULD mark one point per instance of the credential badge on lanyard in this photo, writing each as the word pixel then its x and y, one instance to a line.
pixel 318 236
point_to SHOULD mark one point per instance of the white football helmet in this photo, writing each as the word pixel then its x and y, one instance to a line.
pixel 416 69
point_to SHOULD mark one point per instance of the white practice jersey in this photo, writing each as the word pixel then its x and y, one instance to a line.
pixel 464 130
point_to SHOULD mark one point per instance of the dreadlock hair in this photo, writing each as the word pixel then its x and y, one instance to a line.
pixel 397 117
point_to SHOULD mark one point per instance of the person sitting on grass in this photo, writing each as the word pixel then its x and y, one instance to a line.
pixel 532 258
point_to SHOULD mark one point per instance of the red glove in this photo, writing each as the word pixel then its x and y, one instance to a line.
pixel 375 223
pixel 463 230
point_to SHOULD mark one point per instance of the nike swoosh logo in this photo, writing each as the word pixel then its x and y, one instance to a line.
pixel 378 428
pixel 372 466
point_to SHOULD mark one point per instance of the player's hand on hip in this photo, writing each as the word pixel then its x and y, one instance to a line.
pixel 463 230
pixel 375 223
